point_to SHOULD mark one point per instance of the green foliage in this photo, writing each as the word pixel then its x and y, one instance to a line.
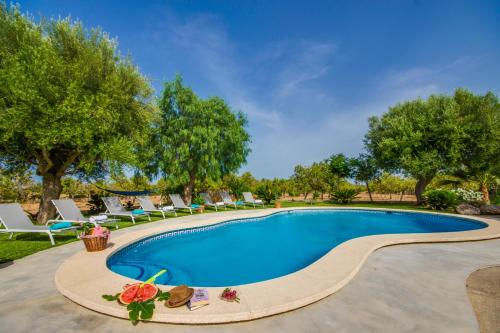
pixel 74 188
pixel 140 311
pixel 315 178
pixel 301 181
pixel 480 117
pixel 235 184
pixel 458 135
pixel 441 199
pixel 345 194
pixel 18 185
pixel 419 138
pixel 163 296
pixel 70 103
pixel 364 168
pixel 198 200
pixel 340 166
pixel 196 139
pixel 469 196
pixel 390 184
pixel 111 298
pixel 268 191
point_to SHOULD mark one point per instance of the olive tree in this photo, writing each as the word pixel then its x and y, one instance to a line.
pixel 70 104
pixel 365 169
pixel 418 138
pixel 196 139
pixel 480 118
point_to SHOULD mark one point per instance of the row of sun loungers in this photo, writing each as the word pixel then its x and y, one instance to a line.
pixel 15 220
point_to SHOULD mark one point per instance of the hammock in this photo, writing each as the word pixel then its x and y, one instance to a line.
pixel 126 193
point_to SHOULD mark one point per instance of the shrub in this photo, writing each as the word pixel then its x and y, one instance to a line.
pixel 344 195
pixel 468 196
pixel 441 199
pixel 198 200
pixel 268 191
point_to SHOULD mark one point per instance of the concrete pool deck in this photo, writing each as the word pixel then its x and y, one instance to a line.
pixel 84 277
pixel 401 288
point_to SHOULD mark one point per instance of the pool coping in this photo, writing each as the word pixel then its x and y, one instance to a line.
pixel 84 277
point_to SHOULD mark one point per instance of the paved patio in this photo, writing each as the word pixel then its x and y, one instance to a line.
pixel 404 288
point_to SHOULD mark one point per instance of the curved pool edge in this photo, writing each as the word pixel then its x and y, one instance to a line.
pixel 84 277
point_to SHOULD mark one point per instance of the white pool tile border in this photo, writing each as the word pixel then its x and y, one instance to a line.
pixel 84 277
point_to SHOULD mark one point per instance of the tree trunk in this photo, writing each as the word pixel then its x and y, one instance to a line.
pixel 486 193
pixel 369 191
pixel 401 197
pixel 420 188
pixel 188 190
pixel 51 189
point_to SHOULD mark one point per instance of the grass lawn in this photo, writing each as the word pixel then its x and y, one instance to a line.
pixel 23 244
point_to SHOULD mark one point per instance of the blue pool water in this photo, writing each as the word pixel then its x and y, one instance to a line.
pixel 251 250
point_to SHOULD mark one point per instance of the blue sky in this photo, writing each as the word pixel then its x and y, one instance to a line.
pixel 307 73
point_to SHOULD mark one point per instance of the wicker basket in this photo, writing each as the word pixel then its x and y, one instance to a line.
pixel 95 243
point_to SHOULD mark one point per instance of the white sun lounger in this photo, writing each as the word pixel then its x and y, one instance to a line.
pixel 209 202
pixel 179 203
pixel 248 198
pixel 148 206
pixel 226 198
pixel 14 219
pixel 115 208
pixel 68 211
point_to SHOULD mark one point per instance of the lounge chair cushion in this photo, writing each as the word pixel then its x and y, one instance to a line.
pixel 138 211
pixel 195 206
pixel 60 225
pixel 98 218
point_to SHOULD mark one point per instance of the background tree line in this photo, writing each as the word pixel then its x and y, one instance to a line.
pixel 74 111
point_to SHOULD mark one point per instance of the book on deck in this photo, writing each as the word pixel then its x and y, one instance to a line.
pixel 199 299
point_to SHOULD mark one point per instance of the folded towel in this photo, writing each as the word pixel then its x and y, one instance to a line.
pixel 60 225
pixel 195 206
pixel 97 218
pixel 258 201
pixel 165 208
pixel 240 203
pixel 138 211
pixel 219 203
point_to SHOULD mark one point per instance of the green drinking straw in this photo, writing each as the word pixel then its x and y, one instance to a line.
pixel 153 278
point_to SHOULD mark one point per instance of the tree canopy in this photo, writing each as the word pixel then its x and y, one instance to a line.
pixel 480 118
pixel 70 103
pixel 419 138
pixel 196 138
pixel 364 169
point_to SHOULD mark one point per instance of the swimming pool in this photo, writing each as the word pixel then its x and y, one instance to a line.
pixel 250 250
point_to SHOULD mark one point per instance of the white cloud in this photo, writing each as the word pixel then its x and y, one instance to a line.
pixel 284 88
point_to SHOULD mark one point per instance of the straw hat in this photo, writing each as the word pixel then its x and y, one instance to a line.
pixel 179 295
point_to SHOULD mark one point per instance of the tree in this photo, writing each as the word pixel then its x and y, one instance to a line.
pixel 71 105
pixel 319 177
pixel 340 168
pixel 480 117
pixel 235 184
pixel 419 138
pixel 301 180
pixel 365 169
pixel 195 138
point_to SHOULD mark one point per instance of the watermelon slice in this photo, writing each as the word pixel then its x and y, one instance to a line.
pixel 138 292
